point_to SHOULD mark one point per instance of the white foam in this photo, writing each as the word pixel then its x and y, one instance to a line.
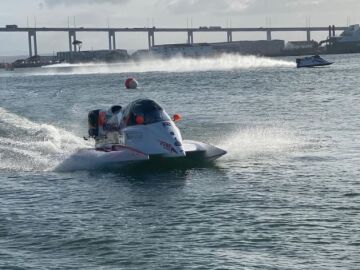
pixel 28 146
pixel 258 141
pixel 175 64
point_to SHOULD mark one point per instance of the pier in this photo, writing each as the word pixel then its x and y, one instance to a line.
pixel 111 32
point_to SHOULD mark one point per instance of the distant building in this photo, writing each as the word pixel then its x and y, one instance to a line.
pixel 187 50
pixel 93 56
pixel 257 47
pixel 301 48
pixel 301 45
pixel 141 55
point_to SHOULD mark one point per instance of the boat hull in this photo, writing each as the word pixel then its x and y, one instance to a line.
pixel 120 156
pixel 314 65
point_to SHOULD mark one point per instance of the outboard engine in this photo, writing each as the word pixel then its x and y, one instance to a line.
pixel 93 123
pixel 104 125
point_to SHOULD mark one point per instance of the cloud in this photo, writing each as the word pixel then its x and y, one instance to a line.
pixel 204 6
pixel 52 3
pixel 256 6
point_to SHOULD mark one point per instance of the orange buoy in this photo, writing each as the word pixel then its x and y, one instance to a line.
pixel 176 117
pixel 131 83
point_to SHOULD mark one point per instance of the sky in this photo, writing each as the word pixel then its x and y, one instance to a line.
pixel 164 13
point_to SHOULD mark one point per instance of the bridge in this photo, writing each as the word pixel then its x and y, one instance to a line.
pixel 31 31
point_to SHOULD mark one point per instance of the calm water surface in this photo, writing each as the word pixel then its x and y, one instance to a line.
pixel 286 196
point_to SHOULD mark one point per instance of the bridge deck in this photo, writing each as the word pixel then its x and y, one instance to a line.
pixel 155 29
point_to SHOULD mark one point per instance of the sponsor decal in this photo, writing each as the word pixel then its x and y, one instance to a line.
pixel 168 147
pixel 177 143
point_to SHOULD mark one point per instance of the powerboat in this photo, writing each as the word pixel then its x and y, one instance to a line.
pixel 312 61
pixel 140 132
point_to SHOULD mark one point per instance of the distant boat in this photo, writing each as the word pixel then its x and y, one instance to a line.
pixel 347 42
pixel 312 61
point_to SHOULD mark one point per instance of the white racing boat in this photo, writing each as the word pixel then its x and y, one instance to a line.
pixel 139 132
pixel 312 61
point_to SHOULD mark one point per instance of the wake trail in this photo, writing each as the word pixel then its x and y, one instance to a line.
pixel 261 141
pixel 223 62
pixel 29 146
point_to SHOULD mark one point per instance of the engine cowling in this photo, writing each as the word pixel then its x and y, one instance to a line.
pixel 104 125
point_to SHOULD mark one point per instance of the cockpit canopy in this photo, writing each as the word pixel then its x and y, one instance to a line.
pixel 149 110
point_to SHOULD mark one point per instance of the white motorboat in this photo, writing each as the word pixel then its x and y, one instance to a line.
pixel 312 61
pixel 139 132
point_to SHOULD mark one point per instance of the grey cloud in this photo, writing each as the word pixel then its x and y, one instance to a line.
pixel 203 6
pixel 300 6
pixel 257 6
pixel 52 3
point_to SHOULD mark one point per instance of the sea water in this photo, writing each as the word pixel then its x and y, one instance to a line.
pixel 286 196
